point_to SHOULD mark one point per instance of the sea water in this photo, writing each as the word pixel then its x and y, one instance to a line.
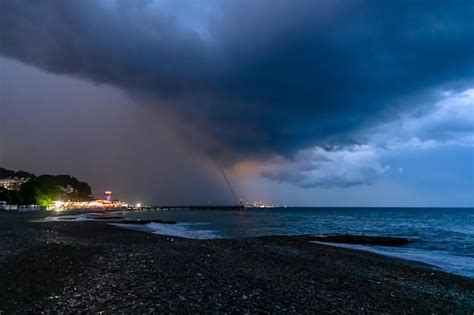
pixel 442 237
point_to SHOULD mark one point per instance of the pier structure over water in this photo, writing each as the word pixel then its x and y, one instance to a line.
pixel 191 208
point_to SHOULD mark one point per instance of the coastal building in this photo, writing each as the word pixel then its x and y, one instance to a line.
pixel 67 190
pixel 97 204
pixel 258 204
pixel 13 183
pixel 29 208
pixel 5 206
pixel 108 196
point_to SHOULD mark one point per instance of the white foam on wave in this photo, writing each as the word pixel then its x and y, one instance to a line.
pixel 461 265
pixel 65 218
pixel 185 230
pixel 465 230
pixel 178 229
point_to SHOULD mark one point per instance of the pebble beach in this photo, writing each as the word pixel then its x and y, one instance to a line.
pixel 97 267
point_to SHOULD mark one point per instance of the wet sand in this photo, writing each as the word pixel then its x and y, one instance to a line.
pixel 93 266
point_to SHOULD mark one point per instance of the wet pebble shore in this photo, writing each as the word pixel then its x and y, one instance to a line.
pixel 95 267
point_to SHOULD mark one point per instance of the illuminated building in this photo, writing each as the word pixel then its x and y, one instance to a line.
pixel 5 206
pixel 13 183
pixel 67 190
pixel 108 196
pixel 95 205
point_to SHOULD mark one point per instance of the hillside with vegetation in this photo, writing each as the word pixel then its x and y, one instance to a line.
pixel 5 173
pixel 44 189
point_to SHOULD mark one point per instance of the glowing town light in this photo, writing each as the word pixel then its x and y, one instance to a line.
pixel 138 205
pixel 58 205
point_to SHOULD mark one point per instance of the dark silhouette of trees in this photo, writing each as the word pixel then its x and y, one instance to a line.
pixel 44 189
pixel 35 193
pixel 10 196
pixel 81 191
pixel 4 173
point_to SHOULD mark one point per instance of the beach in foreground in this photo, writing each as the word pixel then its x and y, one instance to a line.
pixel 93 267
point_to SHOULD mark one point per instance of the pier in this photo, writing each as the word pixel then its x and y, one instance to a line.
pixel 191 208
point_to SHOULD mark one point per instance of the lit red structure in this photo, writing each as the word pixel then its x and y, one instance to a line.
pixel 108 196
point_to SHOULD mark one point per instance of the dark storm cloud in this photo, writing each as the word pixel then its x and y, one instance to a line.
pixel 261 77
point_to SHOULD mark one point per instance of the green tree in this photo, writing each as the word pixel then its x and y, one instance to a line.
pixel 33 192
pixel 4 195
pixel 29 191
pixel 43 199
pixel 82 190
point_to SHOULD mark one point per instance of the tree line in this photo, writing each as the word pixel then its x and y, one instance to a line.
pixel 45 189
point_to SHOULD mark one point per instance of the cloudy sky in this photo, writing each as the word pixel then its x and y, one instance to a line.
pixel 318 102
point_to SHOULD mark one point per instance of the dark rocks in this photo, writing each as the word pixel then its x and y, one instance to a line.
pixel 110 218
pixel 105 218
pixel 138 221
pixel 361 239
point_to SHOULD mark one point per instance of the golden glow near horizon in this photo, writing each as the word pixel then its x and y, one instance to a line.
pixel 58 205
pixel 97 204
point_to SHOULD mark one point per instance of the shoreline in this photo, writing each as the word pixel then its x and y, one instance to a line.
pixel 383 245
pixel 93 266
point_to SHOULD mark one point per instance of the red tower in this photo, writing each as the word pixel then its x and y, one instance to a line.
pixel 108 196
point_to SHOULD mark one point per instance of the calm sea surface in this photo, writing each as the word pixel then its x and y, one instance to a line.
pixel 442 237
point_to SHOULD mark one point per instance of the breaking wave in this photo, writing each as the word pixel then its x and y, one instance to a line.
pixel 461 265
pixel 185 230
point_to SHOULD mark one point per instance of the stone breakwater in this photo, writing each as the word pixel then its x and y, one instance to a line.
pixel 360 239
pixel 94 267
